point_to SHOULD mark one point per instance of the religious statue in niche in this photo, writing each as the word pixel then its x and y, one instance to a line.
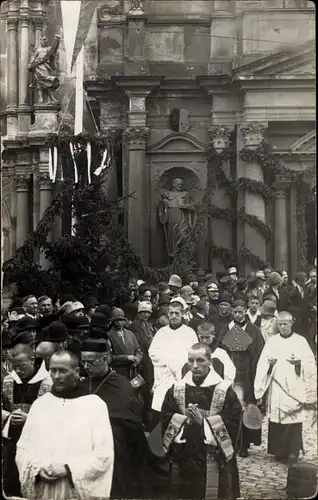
pixel 179 120
pixel 42 65
pixel 177 215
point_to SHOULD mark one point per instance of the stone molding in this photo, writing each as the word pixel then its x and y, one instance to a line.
pixel 137 136
pixel 220 137
pixel 253 134
pixel 38 23
pixel 137 7
pixel 281 185
pixel 44 180
pixel 22 182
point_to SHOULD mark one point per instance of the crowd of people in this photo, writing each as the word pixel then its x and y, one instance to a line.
pixel 155 395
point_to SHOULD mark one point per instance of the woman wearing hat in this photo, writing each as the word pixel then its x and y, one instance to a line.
pixel 281 293
pixel 126 350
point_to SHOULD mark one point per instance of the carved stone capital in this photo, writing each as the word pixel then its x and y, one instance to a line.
pixel 12 23
pixel 253 134
pixel 24 21
pixel 220 137
pixel 137 136
pixel 44 181
pixel 281 185
pixel 38 23
pixel 22 182
pixel 137 7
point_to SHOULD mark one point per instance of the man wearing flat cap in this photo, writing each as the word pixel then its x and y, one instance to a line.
pixel 126 351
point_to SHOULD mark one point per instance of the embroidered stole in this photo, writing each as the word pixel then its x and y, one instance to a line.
pixel 218 430
pixel 8 389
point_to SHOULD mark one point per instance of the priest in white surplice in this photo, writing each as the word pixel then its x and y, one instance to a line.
pixel 66 447
pixel 169 353
pixel 285 368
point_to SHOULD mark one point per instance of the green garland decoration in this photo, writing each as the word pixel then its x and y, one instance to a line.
pixel 255 187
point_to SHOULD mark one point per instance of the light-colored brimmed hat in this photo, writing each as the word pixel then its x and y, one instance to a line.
pixel 175 280
pixel 274 278
pixel 186 289
pixel 180 301
pixel 145 306
pixel 73 306
pixel 232 270
pixel 260 275
pixel 213 287
pixel 117 313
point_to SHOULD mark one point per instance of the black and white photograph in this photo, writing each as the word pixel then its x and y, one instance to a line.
pixel 158 250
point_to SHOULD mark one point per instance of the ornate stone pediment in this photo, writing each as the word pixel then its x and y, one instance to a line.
pixel 178 143
pixel 298 61
pixel 306 144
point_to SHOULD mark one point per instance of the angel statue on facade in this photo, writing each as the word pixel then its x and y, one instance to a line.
pixel 177 215
pixel 42 65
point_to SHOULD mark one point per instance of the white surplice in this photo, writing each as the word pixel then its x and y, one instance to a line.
pixel 285 387
pixel 229 371
pixel 75 432
pixel 169 353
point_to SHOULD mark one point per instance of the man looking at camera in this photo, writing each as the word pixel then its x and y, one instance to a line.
pixel 285 368
pixel 200 426
pixel 66 447
pixel 26 382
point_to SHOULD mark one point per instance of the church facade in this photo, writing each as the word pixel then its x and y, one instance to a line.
pixel 175 80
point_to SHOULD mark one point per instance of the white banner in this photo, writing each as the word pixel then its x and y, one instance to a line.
pixel 70 17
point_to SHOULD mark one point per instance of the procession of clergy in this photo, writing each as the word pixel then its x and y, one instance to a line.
pixel 154 396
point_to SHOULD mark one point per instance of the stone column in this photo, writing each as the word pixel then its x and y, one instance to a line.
pixel 136 138
pixel 250 135
pixel 223 37
pixel 22 189
pixel 220 231
pixel 45 185
pixel 281 240
pixel 38 23
pixel 24 111
pixel 293 240
pixel 12 76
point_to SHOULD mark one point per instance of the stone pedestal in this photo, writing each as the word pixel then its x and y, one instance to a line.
pixel 281 242
pixel 250 135
pixel 136 138
pixel 45 186
pixel 22 189
pixel 46 121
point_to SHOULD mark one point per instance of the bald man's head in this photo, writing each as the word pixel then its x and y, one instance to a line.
pixel 46 349
pixel 64 370
pixel 22 360
pixel 285 323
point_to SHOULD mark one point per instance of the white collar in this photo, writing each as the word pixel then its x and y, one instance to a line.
pixel 211 379
pixel 253 315
pixel 40 375
pixel 232 323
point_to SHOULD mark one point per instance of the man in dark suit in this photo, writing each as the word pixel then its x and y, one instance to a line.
pixel 299 305
pixel 126 352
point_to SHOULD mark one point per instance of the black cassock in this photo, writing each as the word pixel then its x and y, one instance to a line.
pixel 130 444
pixel 199 470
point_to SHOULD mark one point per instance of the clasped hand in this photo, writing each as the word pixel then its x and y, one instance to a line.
pixel 52 473
pixel 194 415
pixel 18 417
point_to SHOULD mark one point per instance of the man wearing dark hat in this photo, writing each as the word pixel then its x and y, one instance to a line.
pixel 125 414
pixel 244 342
pixel 20 389
pixel 77 330
pixel 25 325
pixel 90 303
pixel 199 311
pixel 126 352
pixel 224 316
